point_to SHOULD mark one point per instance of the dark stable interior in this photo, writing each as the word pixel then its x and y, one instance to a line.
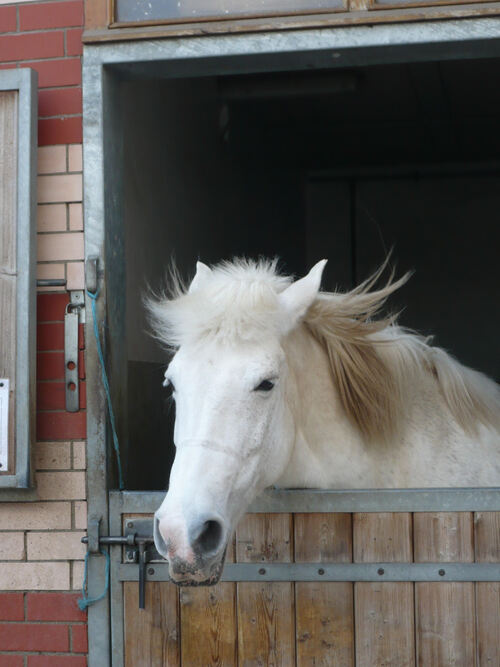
pixel 341 164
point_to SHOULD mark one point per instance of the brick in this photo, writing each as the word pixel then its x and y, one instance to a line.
pixel 79 457
pixel 76 217
pixel 61 425
pixel 60 247
pixel 51 159
pixel 11 604
pixel 59 101
pixel 51 545
pixel 34 516
pixel 81 514
pixel 81 337
pixel 77 567
pixel 34 576
pixel 61 485
pixel 51 307
pixel 8 19
pixel 51 15
pixel 74 46
pixel 12 546
pixel 79 640
pixel 59 130
pixel 11 660
pixel 56 73
pixel 75 157
pixel 59 188
pixel 49 271
pixel 24 47
pixel 75 273
pixel 51 218
pixel 52 455
pixel 33 637
pixel 50 366
pixel 57 661
pixel 8 66
pixel 52 396
pixel 54 607
pixel 50 336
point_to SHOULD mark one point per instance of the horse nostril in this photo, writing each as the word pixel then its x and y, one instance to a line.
pixel 208 537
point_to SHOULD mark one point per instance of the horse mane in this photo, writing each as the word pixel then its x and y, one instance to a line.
pixel 374 362
pixel 238 302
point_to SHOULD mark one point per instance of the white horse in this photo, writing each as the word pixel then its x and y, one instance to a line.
pixel 276 383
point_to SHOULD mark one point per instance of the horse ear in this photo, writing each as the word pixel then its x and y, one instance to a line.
pixel 297 298
pixel 202 273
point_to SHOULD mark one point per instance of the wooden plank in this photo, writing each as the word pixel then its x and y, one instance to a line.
pixel 382 537
pixel 151 634
pixel 8 253
pixel 487 544
pixel 488 623
pixel 445 612
pixel 384 612
pixel 446 633
pixel 208 623
pixel 266 623
pixel 324 610
pixel 487 537
pixel 97 14
pixel 95 34
pixel 323 538
pixel 443 536
pixel 385 628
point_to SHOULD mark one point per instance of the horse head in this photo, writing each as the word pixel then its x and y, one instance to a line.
pixel 234 427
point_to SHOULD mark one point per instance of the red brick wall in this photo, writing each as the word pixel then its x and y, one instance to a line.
pixel 46 629
pixel 42 630
pixel 47 37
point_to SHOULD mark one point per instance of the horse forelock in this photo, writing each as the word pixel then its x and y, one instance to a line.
pixel 237 302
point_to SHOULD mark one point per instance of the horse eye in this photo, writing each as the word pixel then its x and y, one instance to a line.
pixel 265 385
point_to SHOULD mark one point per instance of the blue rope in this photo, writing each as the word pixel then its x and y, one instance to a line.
pixel 85 601
pixel 93 297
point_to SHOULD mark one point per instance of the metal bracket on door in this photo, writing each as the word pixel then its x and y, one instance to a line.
pixel 138 542
pixel 75 315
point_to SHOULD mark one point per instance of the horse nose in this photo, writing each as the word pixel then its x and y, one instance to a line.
pixel 206 535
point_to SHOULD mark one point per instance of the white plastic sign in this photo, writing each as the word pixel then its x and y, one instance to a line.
pixel 4 424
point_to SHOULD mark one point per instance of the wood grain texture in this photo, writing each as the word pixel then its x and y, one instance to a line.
pixel 151 634
pixel 446 632
pixel 488 623
pixel 324 610
pixel 8 254
pixel 266 612
pixel 384 612
pixel 382 537
pixel 487 547
pixel 208 623
pixel 487 537
pixel 323 538
pixel 445 612
pixel 385 624
pixel 443 536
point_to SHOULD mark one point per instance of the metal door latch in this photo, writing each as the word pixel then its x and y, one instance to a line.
pixel 73 317
pixel 139 547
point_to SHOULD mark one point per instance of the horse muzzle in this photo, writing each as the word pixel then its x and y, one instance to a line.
pixel 195 552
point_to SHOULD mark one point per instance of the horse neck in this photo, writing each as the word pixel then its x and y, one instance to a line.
pixel 322 431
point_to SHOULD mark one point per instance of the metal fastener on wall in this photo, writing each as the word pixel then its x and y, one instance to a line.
pixel 72 318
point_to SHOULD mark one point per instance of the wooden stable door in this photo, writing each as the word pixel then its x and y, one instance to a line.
pixel 281 624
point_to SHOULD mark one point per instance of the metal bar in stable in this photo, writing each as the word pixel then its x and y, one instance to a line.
pixel 335 572
pixel 369 500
